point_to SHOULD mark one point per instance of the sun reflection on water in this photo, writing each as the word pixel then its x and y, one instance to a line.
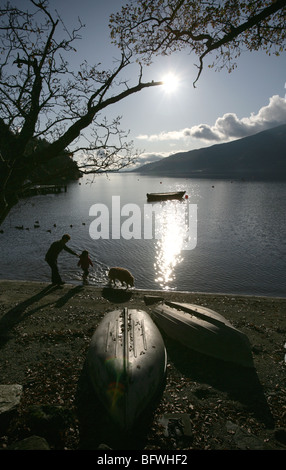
pixel 173 229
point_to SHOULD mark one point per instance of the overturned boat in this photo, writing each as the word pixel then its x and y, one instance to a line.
pixel 203 330
pixel 165 196
pixel 127 364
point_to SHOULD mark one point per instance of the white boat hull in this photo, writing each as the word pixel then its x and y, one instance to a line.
pixel 203 330
pixel 127 364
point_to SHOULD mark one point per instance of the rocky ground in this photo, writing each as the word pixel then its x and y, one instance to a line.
pixel 206 404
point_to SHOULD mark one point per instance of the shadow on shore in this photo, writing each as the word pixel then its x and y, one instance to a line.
pixel 20 312
pixel 116 295
pixel 240 384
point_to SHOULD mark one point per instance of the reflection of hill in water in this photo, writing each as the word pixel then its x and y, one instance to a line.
pixel 260 156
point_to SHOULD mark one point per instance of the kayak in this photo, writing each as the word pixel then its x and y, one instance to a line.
pixel 127 364
pixel 203 330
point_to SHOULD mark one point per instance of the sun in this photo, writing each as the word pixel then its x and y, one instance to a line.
pixel 170 83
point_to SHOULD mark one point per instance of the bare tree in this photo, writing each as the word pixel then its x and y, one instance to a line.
pixel 42 97
pixel 153 27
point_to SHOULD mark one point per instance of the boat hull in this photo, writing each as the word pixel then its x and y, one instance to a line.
pixel 165 196
pixel 127 364
pixel 203 330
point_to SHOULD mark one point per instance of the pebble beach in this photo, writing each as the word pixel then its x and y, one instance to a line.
pixel 45 333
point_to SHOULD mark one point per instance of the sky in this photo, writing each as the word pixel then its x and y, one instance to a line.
pixel 221 108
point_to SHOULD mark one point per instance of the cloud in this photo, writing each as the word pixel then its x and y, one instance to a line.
pixel 229 126
pixel 204 132
pixel 145 158
pixel 172 135
pixel 151 157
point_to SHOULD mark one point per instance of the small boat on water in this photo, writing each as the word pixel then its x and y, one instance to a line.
pixel 203 330
pixel 127 364
pixel 165 196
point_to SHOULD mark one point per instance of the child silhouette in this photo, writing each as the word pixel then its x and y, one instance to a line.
pixel 84 263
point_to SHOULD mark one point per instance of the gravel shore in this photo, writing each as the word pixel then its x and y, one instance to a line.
pixel 44 336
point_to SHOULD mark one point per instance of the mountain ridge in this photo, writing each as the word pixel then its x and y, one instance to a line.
pixel 259 156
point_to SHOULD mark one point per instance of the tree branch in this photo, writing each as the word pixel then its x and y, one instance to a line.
pixel 236 31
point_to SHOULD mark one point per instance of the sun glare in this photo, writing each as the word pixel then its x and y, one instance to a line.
pixel 170 83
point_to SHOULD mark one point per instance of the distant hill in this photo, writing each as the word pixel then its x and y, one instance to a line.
pixel 259 156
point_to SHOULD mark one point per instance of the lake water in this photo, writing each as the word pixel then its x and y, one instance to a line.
pixel 236 234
